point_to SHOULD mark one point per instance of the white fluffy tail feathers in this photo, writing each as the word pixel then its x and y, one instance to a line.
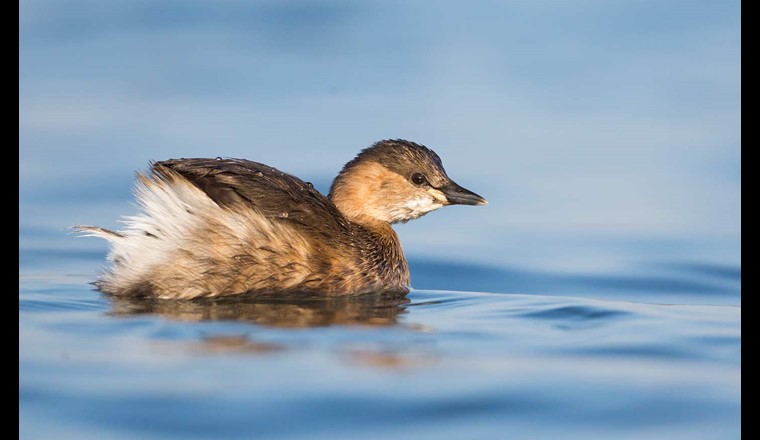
pixel 96 231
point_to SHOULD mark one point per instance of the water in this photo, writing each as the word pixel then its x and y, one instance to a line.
pixel 438 364
pixel 598 295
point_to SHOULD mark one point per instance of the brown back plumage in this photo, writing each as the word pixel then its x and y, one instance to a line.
pixel 281 197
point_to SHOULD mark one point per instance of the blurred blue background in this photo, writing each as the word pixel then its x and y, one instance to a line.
pixel 605 135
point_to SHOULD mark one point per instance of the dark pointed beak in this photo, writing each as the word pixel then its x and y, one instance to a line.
pixel 456 195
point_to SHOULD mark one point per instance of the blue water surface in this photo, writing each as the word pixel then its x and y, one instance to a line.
pixel 596 296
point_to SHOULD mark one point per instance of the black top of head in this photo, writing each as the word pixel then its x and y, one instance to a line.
pixel 397 152
pixel 403 157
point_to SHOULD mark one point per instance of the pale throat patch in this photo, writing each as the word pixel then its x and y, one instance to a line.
pixel 418 207
pixel 414 208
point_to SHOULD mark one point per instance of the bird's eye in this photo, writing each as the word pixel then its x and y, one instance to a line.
pixel 418 178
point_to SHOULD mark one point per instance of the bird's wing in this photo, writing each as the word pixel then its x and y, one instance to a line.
pixel 245 184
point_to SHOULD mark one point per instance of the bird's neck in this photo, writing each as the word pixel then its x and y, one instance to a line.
pixel 362 193
pixel 384 254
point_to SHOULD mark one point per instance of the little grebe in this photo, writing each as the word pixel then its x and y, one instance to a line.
pixel 217 227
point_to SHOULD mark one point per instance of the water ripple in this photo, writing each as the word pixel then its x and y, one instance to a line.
pixel 575 313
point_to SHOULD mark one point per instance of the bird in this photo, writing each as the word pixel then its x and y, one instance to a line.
pixel 219 227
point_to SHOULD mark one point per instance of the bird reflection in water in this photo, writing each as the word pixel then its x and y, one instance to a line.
pixel 379 310
pixel 290 312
